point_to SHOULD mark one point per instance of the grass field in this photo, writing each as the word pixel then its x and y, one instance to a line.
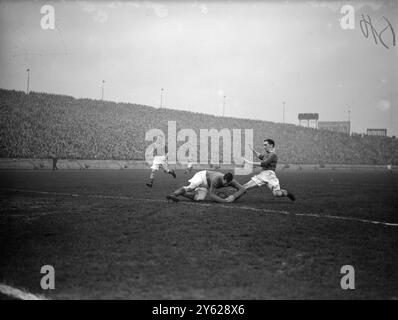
pixel 109 236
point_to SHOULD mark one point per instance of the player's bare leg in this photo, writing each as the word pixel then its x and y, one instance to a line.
pixel 246 187
pixel 174 196
pixel 189 195
pixel 249 185
pixel 172 172
pixel 151 178
pixel 276 192
pixel 183 191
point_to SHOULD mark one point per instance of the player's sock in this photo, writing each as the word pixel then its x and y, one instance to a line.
pixel 172 173
pixel 285 193
pixel 150 184
pixel 172 197
pixel 291 196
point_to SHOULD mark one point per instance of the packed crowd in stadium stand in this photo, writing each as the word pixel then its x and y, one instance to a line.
pixel 40 125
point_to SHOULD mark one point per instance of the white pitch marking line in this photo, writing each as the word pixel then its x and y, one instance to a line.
pixel 314 215
pixel 19 294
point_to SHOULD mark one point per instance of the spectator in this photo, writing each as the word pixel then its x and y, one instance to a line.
pixel 33 124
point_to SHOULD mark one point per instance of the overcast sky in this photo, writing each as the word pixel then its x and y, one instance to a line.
pixel 258 54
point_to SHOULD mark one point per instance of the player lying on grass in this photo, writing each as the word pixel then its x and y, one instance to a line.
pixel 267 176
pixel 207 182
pixel 159 162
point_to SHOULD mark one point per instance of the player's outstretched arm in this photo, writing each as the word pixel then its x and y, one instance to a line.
pixel 256 164
pixel 240 191
pixel 263 163
pixel 258 154
pixel 213 196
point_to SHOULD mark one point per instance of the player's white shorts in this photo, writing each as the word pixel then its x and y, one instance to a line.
pixel 159 162
pixel 267 177
pixel 198 180
pixel 198 183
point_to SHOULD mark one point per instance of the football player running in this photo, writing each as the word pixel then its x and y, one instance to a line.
pixel 160 162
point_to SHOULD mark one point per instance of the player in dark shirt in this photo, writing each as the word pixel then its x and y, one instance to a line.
pixel 267 176
pixel 268 161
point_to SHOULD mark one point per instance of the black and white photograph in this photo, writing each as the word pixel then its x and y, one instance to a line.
pixel 202 151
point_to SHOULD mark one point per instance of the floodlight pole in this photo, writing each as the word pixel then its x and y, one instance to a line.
pixel 27 87
pixel 284 111
pixel 102 93
pixel 390 122
pixel 223 106
pixel 349 122
pixel 161 98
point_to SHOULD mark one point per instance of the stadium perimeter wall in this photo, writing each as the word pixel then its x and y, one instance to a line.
pixel 73 164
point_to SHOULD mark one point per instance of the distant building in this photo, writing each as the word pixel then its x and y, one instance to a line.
pixel 376 132
pixel 308 117
pixel 335 126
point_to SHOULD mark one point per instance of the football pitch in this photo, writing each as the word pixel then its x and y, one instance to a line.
pixel 108 236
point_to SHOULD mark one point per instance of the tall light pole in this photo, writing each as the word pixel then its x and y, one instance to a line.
pixel 284 111
pixel 27 87
pixel 349 122
pixel 223 105
pixel 161 98
pixel 390 122
pixel 102 92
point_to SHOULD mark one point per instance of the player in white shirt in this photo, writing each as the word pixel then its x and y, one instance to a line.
pixel 159 162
